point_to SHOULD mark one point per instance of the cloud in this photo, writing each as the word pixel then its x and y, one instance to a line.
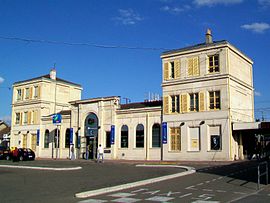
pixel 215 2
pixel 264 3
pixel 256 27
pixel 258 94
pixel 127 17
pixel 175 9
pixel 1 80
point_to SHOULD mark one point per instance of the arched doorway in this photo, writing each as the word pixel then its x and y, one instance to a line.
pixel 91 134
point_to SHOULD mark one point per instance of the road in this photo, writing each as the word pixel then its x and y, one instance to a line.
pixel 212 182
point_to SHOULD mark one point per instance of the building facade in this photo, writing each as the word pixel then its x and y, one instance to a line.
pixel 206 89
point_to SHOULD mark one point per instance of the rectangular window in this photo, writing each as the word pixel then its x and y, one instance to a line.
pixel 27 93
pixel 213 64
pixel 194 102
pixel 36 92
pixel 172 76
pixel 215 137
pixel 108 139
pixel 194 139
pixel 18 116
pixel 214 100
pixel 175 108
pixel 25 118
pixel 19 94
pixel 175 139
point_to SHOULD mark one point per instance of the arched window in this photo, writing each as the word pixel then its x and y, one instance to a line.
pixel 156 135
pixel 67 140
pixel 46 139
pixel 140 136
pixel 124 136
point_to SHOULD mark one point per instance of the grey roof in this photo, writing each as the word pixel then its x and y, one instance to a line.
pixel 141 105
pixel 47 77
pixel 197 46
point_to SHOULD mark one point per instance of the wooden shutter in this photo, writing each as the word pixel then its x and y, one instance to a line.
pixel 201 101
pixel 166 105
pixel 177 69
pixel 184 103
pixel 196 69
pixel 34 117
pixel 190 67
pixel 177 139
pixel 29 117
pixel 21 115
pixel 166 71
pixel 30 92
pixel 39 92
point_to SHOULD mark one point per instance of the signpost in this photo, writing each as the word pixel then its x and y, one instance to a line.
pixel 112 134
pixel 57 119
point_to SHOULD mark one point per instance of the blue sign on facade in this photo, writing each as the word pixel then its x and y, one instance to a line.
pixel 112 134
pixel 71 135
pixel 164 133
pixel 38 134
pixel 57 118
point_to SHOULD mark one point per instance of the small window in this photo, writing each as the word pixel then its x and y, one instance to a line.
pixel 172 71
pixel 194 102
pixel 156 135
pixel 35 92
pixel 175 108
pixel 140 136
pixel 214 98
pixel 124 136
pixel 214 64
pixel 17 121
pixel 25 118
pixel 27 93
pixel 19 94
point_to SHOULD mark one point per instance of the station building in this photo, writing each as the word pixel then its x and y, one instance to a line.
pixel 206 89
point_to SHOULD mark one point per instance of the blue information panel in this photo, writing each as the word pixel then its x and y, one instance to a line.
pixel 164 133
pixel 38 134
pixel 71 136
pixel 112 134
pixel 57 118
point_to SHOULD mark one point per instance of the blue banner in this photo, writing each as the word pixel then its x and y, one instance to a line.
pixel 112 134
pixel 38 134
pixel 164 133
pixel 71 136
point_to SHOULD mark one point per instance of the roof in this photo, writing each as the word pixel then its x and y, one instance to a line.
pixel 83 101
pixel 48 77
pixel 141 105
pixel 4 131
pixel 200 46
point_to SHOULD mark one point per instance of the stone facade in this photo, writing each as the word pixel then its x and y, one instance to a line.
pixel 206 88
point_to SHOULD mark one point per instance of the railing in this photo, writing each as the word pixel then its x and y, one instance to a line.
pixel 260 174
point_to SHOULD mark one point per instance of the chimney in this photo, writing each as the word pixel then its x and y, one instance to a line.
pixel 53 74
pixel 208 37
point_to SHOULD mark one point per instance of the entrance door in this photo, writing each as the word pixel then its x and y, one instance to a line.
pixel 91 134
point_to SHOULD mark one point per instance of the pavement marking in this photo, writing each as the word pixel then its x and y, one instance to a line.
pixel 91 193
pixel 93 201
pixel 159 199
pixel 126 200
pixel 191 188
pixel 240 193
pixel 221 191
pixel 207 190
pixel 204 201
pixel 41 168
pixel 121 194
pixel 200 184
pixel 185 195
pixel 208 181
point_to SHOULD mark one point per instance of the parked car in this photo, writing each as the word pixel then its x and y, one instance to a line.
pixel 26 154
pixel 5 153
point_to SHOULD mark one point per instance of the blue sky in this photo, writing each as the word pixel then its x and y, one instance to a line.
pixel 122 25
